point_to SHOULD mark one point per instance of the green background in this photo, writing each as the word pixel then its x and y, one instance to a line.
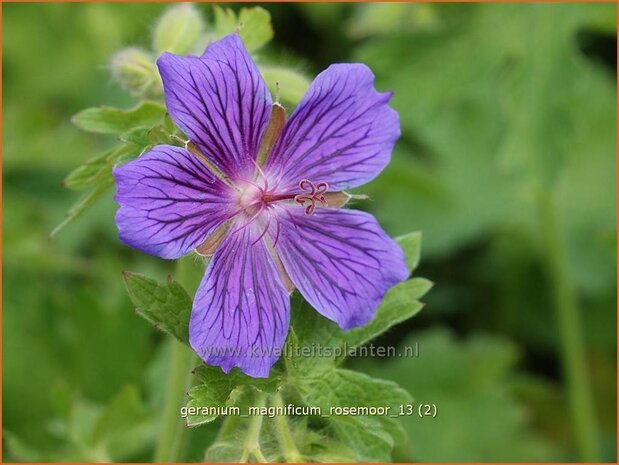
pixel 506 163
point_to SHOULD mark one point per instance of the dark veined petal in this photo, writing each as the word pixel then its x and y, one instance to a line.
pixel 341 261
pixel 220 101
pixel 169 202
pixel 241 311
pixel 342 132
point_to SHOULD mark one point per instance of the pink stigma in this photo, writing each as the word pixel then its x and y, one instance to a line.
pixel 315 192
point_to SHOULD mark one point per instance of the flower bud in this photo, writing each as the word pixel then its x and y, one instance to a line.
pixel 178 29
pixel 135 71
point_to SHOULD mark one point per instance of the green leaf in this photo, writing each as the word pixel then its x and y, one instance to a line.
pixel 399 304
pixel 225 21
pixel 370 436
pixel 256 29
pixel 147 137
pixel 167 306
pixel 218 389
pixel 97 175
pixel 411 246
pixel 178 29
pixel 289 84
pixel 110 120
pixel 161 134
pixel 136 136
pixel 253 25
pixel 85 175
pixel 99 169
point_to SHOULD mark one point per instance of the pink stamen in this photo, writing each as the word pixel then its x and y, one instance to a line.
pixel 250 220
pixel 276 233
pixel 266 228
pixel 266 180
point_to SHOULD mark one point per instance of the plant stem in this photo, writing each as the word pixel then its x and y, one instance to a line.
pixel 172 433
pixel 172 429
pixel 227 426
pixel 252 444
pixel 286 441
pixel 569 320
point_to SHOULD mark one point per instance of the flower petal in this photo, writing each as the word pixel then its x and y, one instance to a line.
pixel 342 132
pixel 169 202
pixel 341 261
pixel 220 101
pixel 241 311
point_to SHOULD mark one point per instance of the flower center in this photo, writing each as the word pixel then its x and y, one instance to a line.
pixel 253 198
pixel 249 195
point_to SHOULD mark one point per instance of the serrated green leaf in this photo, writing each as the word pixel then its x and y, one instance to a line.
pixel 210 374
pixel 110 120
pixel 289 84
pixel 370 436
pixel 165 305
pixel 218 389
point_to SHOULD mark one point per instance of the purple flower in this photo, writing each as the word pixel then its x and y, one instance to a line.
pixel 263 196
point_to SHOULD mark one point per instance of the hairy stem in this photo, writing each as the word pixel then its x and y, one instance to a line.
pixel 286 441
pixel 569 321
pixel 172 431
pixel 252 444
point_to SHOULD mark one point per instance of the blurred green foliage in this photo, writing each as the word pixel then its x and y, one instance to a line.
pixel 497 104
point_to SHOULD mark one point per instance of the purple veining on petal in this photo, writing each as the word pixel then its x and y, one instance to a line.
pixel 169 202
pixel 241 311
pixel 342 132
pixel 341 261
pixel 220 101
